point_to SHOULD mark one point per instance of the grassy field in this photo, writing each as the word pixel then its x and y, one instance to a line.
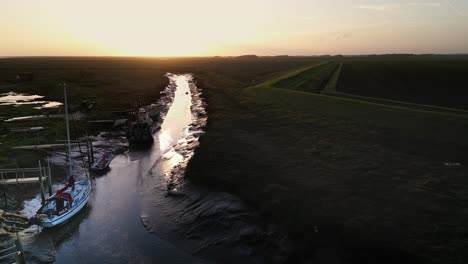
pixel 115 85
pixel 430 80
pixel 312 79
pixel 350 179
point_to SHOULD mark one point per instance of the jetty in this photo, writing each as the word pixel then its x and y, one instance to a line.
pixel 44 146
pixel 13 250
pixel 19 176
pixel 25 175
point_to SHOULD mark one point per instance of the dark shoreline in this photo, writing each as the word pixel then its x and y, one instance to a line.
pixel 243 237
pixel 214 225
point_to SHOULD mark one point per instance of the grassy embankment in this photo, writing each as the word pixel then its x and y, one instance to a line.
pixel 370 178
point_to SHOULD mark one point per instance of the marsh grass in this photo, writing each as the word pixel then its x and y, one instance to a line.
pixel 369 176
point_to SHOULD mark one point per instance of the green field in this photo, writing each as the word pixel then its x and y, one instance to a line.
pixel 428 80
pixel 361 180
pixel 115 85
pixel 311 79
pixel 369 177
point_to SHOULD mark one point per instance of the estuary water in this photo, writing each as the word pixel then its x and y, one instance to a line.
pixel 113 227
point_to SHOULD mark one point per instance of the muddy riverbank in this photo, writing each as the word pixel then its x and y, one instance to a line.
pixel 145 209
pixel 214 225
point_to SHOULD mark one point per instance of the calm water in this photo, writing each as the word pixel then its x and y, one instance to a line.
pixel 111 228
pixel 18 99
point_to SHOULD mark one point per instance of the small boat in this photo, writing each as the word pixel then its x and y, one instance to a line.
pixel 101 164
pixel 68 201
pixel 141 130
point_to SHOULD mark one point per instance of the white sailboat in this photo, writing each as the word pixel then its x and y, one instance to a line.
pixel 68 201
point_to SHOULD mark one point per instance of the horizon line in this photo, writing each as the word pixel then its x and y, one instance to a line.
pixel 228 56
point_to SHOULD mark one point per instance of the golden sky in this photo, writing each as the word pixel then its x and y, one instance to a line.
pixel 218 27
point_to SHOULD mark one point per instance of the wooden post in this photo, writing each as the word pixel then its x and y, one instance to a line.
pixel 92 151
pixel 88 151
pixel 16 173
pixel 49 177
pixel 5 197
pixel 20 258
pixel 66 153
pixel 40 184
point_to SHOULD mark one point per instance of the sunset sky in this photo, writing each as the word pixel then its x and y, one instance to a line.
pixel 217 27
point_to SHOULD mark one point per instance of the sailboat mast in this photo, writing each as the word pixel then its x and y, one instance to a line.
pixel 68 129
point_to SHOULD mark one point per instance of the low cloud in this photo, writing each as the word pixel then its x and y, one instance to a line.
pixel 454 5
pixel 394 6
pixel 425 4
pixel 382 7
pixel 342 36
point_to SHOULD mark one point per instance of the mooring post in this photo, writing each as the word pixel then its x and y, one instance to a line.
pixel 40 184
pixel 49 177
pixel 92 151
pixel 20 258
pixel 88 151
pixel 5 198
pixel 66 154
pixel 16 172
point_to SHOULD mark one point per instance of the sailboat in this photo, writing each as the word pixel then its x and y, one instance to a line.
pixel 69 200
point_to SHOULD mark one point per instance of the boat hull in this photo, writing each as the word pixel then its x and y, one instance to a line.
pixel 140 133
pixel 97 169
pixel 58 220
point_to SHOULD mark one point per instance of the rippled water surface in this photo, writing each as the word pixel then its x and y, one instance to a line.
pixel 111 229
pixel 17 99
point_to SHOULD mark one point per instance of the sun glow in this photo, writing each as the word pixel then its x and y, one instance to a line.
pixel 142 28
pixel 217 27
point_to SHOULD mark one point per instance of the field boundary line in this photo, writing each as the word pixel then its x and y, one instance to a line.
pixel 330 87
pixel 431 108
